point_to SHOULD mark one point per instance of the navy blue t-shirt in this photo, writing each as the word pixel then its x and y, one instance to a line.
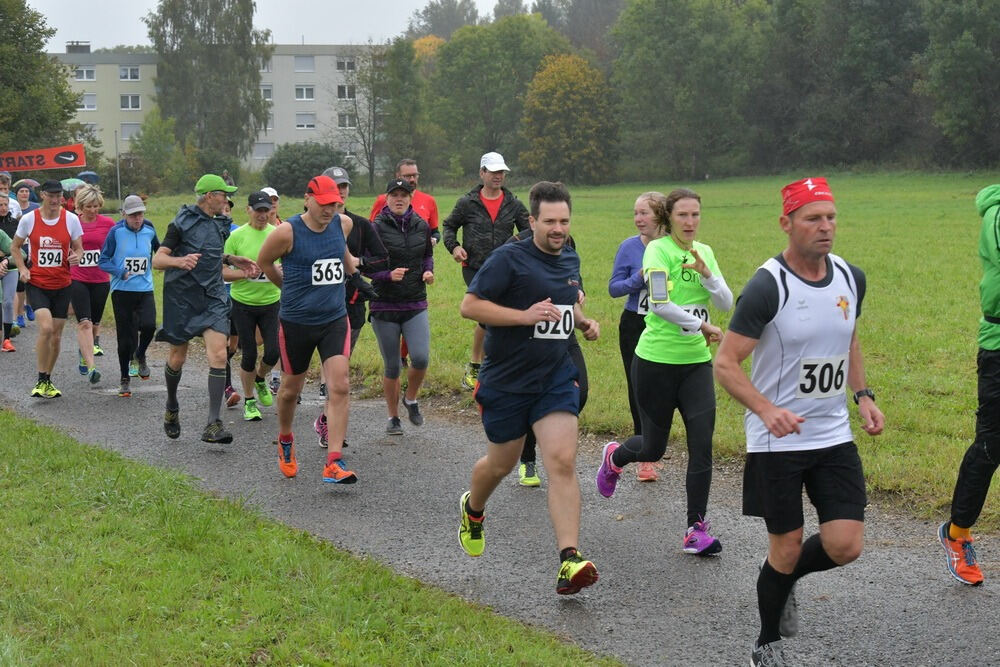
pixel 521 359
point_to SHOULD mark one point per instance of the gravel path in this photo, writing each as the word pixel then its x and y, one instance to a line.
pixel 653 605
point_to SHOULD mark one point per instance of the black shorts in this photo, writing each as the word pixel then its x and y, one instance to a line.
pixel 297 343
pixel 88 300
pixel 55 300
pixel 833 478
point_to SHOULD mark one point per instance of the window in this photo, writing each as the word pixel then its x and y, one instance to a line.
pixel 129 130
pixel 345 64
pixel 267 93
pixel 304 93
pixel 262 151
pixel 305 121
pixel 88 128
pixel 88 102
pixel 128 73
pixel 305 64
pixel 269 125
pixel 346 92
pixel 347 120
pixel 130 102
pixel 265 64
pixel 85 73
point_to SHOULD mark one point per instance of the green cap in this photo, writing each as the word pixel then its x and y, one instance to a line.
pixel 211 183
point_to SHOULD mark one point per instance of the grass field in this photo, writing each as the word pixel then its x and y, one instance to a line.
pixel 110 562
pixel 914 234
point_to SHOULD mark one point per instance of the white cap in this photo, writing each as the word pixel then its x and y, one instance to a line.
pixel 271 192
pixel 493 162
pixel 132 204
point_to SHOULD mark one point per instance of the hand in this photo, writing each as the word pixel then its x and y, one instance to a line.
pixel 188 262
pixel 428 277
pixel 543 311
pixel 591 329
pixel 25 275
pixel 712 333
pixel 244 263
pixel 3 267
pixel 459 254
pixel 252 272
pixel 73 258
pixel 397 274
pixel 580 297
pixel 698 265
pixel 434 241
pixel 780 422
pixel 872 419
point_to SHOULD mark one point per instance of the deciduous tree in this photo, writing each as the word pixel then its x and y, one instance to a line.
pixel 566 123
pixel 442 18
pixel 208 78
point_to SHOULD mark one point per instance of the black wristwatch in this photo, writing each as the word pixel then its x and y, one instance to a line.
pixel 864 392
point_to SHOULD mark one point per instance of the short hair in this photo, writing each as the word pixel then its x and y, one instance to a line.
pixel 547 191
pixel 4 178
pixel 405 162
pixel 663 206
pixel 87 195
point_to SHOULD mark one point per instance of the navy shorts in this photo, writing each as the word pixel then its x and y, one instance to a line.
pixel 508 416
pixel 833 478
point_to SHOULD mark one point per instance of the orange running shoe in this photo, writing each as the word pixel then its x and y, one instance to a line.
pixel 961 557
pixel 286 459
pixel 8 346
pixel 335 473
pixel 646 472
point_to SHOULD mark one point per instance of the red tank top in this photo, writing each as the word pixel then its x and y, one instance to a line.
pixel 50 252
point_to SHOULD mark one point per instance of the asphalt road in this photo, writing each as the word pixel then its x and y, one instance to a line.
pixel 653 604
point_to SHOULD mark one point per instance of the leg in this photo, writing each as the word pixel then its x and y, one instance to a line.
pixel 338 392
pixel 216 349
pixel 557 439
pixel 489 470
pixel 387 335
pixel 630 327
pixel 983 457
pixel 85 341
pixel 123 305
pixel 416 332
pixel 696 401
pixel 55 342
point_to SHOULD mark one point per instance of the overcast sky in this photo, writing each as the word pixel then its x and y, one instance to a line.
pixel 107 23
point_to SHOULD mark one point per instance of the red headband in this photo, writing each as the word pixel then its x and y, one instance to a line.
pixel 796 195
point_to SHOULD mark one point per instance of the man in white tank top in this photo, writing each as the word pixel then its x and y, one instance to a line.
pixel 797 316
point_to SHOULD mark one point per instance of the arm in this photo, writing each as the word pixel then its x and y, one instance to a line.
pixel 107 262
pixel 427 266
pixel 722 296
pixel 484 311
pixel 521 219
pixel 351 263
pixel 591 328
pixel 872 419
pixel 673 313
pixel 19 261
pixel 163 260
pixel 277 244
pixel 451 226
pixel 622 282
pixel 729 374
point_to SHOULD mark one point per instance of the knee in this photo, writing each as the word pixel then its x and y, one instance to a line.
pixel 420 360
pixel 338 387
pixel 85 326
pixel 845 551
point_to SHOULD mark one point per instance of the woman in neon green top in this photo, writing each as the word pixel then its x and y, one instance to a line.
pixel 672 367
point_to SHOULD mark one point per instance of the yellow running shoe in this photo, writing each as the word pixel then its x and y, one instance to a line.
pixel 470 533
pixel 575 573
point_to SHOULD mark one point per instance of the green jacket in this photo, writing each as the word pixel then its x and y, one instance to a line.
pixel 988 206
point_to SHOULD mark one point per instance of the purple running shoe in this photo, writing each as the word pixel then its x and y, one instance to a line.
pixel 607 475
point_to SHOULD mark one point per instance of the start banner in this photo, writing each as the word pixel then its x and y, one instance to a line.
pixel 58 157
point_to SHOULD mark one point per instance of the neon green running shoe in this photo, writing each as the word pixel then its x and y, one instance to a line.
pixel 39 390
pixel 50 390
pixel 470 533
pixel 575 573
pixel 98 351
pixel 528 475
pixel 251 412
pixel 263 393
pixel 133 369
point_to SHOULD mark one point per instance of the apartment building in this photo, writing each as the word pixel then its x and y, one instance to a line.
pixel 309 86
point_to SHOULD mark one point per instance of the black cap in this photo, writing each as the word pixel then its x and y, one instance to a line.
pixel 50 186
pixel 338 174
pixel 259 201
pixel 398 184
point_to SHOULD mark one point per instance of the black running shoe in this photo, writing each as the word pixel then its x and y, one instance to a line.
pixel 172 424
pixel 216 433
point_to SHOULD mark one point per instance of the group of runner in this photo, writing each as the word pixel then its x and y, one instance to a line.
pixel 797 316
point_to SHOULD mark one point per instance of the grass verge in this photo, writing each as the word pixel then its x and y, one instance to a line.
pixel 109 561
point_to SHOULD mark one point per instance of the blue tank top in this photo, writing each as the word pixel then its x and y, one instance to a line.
pixel 312 290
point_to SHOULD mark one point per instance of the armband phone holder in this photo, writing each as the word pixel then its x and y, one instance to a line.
pixel 658 283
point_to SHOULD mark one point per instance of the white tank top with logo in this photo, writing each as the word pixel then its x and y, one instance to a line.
pixel 801 360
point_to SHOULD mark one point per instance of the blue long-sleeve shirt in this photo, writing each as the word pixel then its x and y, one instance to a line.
pixel 124 251
pixel 626 279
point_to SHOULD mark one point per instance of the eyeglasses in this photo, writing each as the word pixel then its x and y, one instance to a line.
pixel 218 192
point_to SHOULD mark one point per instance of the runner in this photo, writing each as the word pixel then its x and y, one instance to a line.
pixel 274 220
pixel 357 290
pixel 982 458
pixel 229 394
pixel 798 316
pixel 400 277
pixel 90 284
pixel 127 256
pixel 314 263
pixel 487 215
pixel 55 245
pixel 627 280
pixel 672 368
pixel 255 306
pixel 195 301
pixel 527 295
pixel 9 281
